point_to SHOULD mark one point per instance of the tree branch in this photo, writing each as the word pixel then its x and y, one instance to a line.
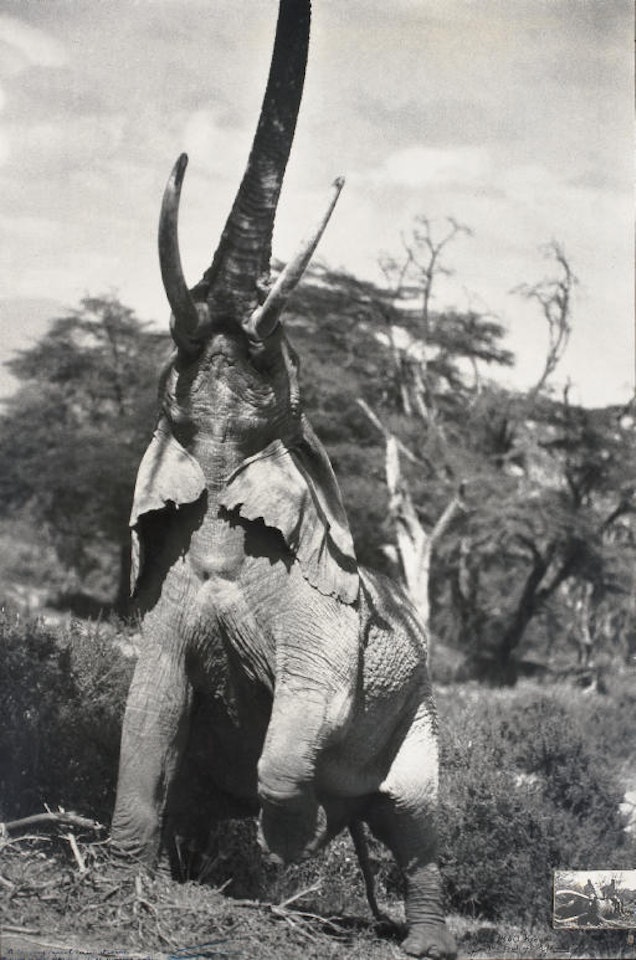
pixel 453 509
pixel 625 505
pixel 554 297
pixel 377 423
pixel 61 817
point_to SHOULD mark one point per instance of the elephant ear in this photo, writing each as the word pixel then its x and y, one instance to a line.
pixel 168 476
pixel 294 490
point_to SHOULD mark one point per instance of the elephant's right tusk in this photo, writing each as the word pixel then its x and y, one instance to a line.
pixel 187 316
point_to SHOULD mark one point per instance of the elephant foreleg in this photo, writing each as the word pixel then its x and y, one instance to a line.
pixel 293 824
pixel 403 817
pixel 153 739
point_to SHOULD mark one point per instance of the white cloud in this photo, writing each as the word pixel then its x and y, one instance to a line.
pixel 33 47
pixel 214 148
pixel 4 140
pixel 56 147
pixel 419 166
pixel 23 46
pixel 201 134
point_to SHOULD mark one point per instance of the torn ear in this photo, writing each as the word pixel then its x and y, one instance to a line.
pixel 168 476
pixel 294 490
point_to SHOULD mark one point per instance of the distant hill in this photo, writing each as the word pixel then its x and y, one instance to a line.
pixel 22 321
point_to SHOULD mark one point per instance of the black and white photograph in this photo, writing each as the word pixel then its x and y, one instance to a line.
pixel 317 480
pixel 595 899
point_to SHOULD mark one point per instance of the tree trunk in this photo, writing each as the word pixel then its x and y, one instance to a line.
pixel 415 544
pixel 522 616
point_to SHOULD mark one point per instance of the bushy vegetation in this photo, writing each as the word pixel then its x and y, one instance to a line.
pixel 530 782
pixel 530 778
pixel 63 695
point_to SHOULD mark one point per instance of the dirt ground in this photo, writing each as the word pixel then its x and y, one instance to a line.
pixel 94 904
pixel 260 940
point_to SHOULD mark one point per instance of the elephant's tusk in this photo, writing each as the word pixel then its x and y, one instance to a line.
pixel 187 316
pixel 264 319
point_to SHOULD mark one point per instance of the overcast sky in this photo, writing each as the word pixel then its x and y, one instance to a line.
pixel 513 116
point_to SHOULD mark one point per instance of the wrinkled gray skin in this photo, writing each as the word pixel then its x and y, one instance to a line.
pixel 276 676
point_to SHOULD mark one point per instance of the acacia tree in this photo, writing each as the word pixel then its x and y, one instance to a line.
pixel 560 512
pixel 537 511
pixel 72 436
pixel 559 505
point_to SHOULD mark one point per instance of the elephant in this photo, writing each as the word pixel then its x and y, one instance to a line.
pixel 276 677
pixel 584 910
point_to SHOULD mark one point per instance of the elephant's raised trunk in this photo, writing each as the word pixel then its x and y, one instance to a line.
pixel 234 285
pixel 243 255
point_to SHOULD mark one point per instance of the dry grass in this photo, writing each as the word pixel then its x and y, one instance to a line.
pixel 66 891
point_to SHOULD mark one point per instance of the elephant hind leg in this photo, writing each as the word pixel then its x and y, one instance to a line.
pixel 410 837
pixel 402 815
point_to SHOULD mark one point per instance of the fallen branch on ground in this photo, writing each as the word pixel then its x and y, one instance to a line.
pixel 302 921
pixel 60 817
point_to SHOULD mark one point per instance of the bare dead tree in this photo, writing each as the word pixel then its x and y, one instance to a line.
pixel 415 544
pixel 414 274
pixel 421 264
pixel 554 295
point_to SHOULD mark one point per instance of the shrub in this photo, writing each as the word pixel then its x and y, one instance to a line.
pixel 63 695
pixel 527 786
pixel 529 778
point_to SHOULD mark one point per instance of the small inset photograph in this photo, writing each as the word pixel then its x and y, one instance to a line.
pixel 594 899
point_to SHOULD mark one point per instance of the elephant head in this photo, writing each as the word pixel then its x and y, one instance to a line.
pixel 232 425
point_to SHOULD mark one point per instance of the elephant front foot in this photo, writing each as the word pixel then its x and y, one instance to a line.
pixel 136 839
pixel 430 940
pixel 292 829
